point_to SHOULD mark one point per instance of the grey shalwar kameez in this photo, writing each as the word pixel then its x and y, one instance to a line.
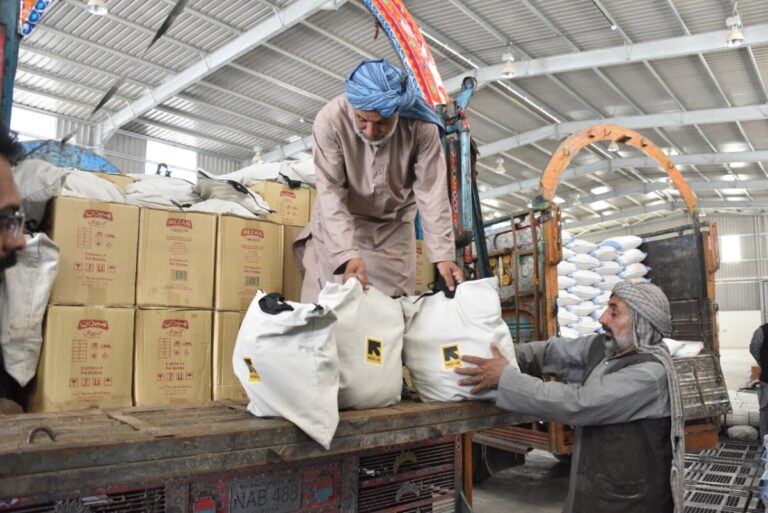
pixel 367 197
pixel 633 393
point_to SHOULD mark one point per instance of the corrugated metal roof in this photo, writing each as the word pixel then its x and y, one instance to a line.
pixel 263 97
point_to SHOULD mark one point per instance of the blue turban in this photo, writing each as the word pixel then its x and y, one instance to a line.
pixel 380 86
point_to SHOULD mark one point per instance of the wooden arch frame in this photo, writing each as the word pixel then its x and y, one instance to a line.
pixel 579 140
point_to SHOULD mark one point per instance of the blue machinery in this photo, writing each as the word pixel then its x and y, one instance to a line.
pixel 465 202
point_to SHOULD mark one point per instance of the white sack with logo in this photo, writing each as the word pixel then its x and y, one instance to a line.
pixel 285 358
pixel 369 341
pixel 565 282
pixel 440 329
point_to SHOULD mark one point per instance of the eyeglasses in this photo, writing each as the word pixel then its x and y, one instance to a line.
pixel 13 223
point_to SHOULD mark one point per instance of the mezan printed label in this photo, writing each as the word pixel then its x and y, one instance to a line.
pixel 91 213
pixel 252 232
pixel 174 222
pixel 175 323
pixel 84 324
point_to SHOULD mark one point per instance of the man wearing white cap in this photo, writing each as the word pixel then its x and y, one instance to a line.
pixel 621 393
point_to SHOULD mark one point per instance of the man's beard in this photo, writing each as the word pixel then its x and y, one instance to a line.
pixel 617 344
pixel 377 142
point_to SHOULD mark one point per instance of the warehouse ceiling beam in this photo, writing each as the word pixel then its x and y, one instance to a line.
pixel 249 99
pixel 205 17
pixel 518 95
pixel 337 39
pixel 279 83
pixel 186 97
pixel 209 124
pixel 45 94
pixel 287 17
pixel 647 188
pixel 79 4
pixel 693 117
pixel 191 133
pixel 666 207
pixel 77 64
pixel 630 173
pixel 714 80
pixel 704 159
pixel 625 54
pixel 100 47
pixel 235 114
pixel 65 81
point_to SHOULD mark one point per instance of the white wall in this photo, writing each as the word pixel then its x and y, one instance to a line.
pixel 736 328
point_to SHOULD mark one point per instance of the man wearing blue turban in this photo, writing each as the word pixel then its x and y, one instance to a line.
pixel 378 158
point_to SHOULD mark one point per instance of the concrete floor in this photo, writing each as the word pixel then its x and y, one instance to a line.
pixel 541 484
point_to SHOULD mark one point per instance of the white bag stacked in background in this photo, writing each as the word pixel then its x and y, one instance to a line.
pixel 746 409
pixel 587 275
pixel 369 342
pixel 439 330
pixel 288 365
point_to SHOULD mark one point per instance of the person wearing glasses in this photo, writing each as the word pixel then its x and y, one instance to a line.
pixel 378 158
pixel 12 231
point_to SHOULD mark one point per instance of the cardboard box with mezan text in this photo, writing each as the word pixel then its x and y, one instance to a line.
pixel 97 242
pixel 176 259
pixel 86 360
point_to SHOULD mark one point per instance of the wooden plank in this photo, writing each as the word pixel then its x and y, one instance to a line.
pixel 63 477
pixel 197 438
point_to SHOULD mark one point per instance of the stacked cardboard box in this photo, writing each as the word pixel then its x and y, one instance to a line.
pixel 176 259
pixel 226 326
pixel 164 290
pixel 253 255
pixel 88 334
pixel 173 356
pixel 290 206
pixel 291 274
pixel 425 270
pixel 249 257
pixel 174 295
pixel 86 358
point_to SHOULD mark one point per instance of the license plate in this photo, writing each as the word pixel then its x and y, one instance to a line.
pixel 275 495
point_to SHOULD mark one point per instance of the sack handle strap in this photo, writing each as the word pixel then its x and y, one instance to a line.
pixel 435 288
pixel 274 304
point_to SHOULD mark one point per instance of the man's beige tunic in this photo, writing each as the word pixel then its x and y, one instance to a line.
pixel 367 197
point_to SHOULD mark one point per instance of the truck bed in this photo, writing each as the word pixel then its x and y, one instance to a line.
pixel 95 448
